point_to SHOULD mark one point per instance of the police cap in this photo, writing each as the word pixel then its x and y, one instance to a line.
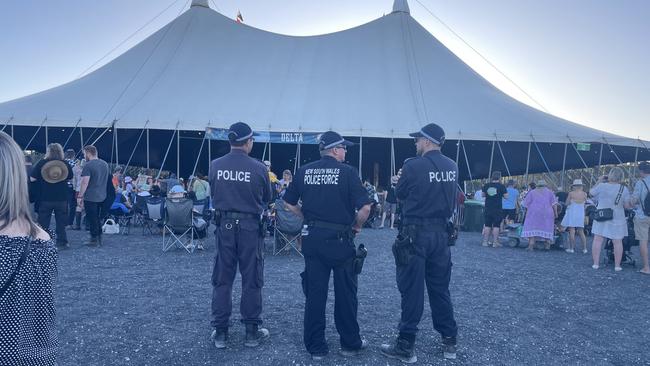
pixel 239 132
pixel 331 139
pixel 431 132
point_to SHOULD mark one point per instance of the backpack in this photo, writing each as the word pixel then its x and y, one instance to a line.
pixel 645 205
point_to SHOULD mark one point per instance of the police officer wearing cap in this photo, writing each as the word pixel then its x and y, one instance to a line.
pixel 335 206
pixel 240 192
pixel 427 190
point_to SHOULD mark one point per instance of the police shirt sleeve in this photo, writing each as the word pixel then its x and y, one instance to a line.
pixel 358 192
pixel 403 186
pixel 292 195
pixel 267 188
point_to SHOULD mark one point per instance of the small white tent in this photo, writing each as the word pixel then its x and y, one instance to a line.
pixel 385 78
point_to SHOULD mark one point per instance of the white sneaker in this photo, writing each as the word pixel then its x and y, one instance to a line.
pixel 584 251
pixel 485 243
pixel 595 266
pixel 569 250
pixel 618 269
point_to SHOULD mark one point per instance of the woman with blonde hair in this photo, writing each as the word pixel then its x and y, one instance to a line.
pixel 614 197
pixel 574 218
pixel 51 176
pixel 27 270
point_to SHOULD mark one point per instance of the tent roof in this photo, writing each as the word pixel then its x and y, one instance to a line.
pixel 385 78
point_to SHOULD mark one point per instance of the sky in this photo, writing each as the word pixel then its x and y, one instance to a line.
pixel 583 60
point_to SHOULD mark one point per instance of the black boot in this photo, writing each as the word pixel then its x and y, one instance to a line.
pixel 219 337
pixel 449 347
pixel 402 350
pixel 254 335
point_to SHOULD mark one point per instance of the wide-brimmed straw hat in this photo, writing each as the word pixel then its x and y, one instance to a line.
pixel 54 171
pixel 577 182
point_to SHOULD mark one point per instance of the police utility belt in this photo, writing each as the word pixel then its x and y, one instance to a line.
pixel 236 216
pixel 344 232
pixel 426 224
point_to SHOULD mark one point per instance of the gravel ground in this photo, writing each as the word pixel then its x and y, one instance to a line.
pixel 127 303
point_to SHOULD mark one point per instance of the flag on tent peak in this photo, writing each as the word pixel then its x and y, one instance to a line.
pixel 239 19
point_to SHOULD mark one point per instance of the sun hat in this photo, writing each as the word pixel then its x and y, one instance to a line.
pixel 128 180
pixel 54 171
pixel 541 183
pixel 577 182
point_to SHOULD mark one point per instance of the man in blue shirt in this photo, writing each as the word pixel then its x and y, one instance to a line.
pixel 510 203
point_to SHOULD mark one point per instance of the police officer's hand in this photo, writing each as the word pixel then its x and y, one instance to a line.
pixel 399 174
pixel 356 229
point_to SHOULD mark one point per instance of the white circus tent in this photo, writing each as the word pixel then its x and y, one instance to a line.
pixel 382 79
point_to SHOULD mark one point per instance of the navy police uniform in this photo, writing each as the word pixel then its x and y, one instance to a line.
pixel 240 192
pixel 330 192
pixel 427 189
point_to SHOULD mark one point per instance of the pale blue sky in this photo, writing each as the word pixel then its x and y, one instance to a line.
pixel 584 60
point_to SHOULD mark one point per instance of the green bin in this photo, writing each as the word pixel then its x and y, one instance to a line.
pixel 473 216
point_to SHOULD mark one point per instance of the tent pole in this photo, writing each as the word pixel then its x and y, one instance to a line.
pixel 295 163
pixel 12 131
pixel 528 162
pixel 209 153
pixel 360 156
pixel 264 153
pixel 47 137
pixel 71 133
pixel 35 133
pixel 600 159
pixel 582 160
pixel 504 158
pixel 469 169
pixel 117 148
pixel 550 174
pixel 81 137
pixel 7 123
pixel 196 164
pixel 299 154
pixel 457 150
pixel 563 166
pixel 171 141
pixel 393 166
pixel 636 162
pixel 491 159
pixel 135 147
pixel 270 145
pixel 148 149
pixel 178 153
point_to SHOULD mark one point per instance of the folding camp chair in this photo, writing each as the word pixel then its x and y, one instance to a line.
pixel 123 219
pixel 288 229
pixel 178 228
pixel 153 214
pixel 139 210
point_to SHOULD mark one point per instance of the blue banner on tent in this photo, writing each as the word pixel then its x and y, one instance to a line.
pixel 304 138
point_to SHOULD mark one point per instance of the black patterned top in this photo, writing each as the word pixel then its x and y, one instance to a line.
pixel 27 314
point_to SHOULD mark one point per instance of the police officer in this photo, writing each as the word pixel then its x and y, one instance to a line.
pixel 331 192
pixel 240 191
pixel 427 190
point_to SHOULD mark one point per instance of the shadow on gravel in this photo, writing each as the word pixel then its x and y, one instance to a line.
pixel 127 303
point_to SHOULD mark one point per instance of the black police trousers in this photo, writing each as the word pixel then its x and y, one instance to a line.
pixel 431 265
pixel 325 253
pixel 239 243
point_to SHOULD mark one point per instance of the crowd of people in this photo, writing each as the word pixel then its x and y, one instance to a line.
pixel 80 192
pixel 607 208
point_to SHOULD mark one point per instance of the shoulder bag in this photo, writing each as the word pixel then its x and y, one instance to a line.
pixel 607 214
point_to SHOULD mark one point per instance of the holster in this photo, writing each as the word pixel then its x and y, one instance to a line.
pixel 362 252
pixel 403 248
pixel 452 231
pixel 217 218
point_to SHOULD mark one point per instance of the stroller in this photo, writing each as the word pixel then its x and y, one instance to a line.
pixel 628 242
